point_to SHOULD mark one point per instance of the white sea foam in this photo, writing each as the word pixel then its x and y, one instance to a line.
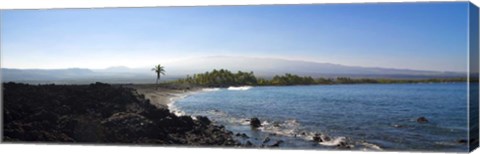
pixel 371 146
pixel 291 128
pixel 239 88
pixel 171 104
pixel 222 116
pixel 335 141
pixel 210 89
pixel 285 128
pixel 175 110
pixel 217 113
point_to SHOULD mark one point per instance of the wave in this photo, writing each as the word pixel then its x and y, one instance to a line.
pixel 292 128
pixel 287 128
pixel 171 104
pixel 239 88
pixel 371 146
pixel 334 142
pixel 174 109
pixel 210 89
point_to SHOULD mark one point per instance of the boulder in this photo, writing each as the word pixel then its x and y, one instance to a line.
pixel 422 120
pixel 243 135
pixel 203 120
pixel 267 139
pixel 255 123
pixel 276 144
pixel 325 138
pixel 317 138
pixel 248 144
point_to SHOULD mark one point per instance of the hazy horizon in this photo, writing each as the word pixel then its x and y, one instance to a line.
pixel 414 36
pixel 185 61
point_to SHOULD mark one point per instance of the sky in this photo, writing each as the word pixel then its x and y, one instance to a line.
pixel 421 36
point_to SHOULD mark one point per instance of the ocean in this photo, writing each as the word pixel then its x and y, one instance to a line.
pixel 359 116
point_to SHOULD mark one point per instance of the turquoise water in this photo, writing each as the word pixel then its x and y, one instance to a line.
pixel 365 116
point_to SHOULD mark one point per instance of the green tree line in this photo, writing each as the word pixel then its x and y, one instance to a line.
pixel 220 78
pixel 225 78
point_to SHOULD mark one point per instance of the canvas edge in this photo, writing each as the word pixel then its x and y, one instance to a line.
pixel 473 77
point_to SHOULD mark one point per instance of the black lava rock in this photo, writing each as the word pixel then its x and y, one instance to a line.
pixel 248 144
pixel 276 144
pixel 267 139
pixel 317 138
pixel 422 120
pixel 255 123
pixel 203 120
pixel 99 113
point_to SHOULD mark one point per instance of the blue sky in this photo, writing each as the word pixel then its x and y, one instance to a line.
pixel 425 36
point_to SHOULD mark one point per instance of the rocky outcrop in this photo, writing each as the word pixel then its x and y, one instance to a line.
pixel 243 135
pixel 203 120
pixel 255 123
pixel 99 113
pixel 422 120
pixel 317 138
pixel 321 138
pixel 276 144
pixel 267 139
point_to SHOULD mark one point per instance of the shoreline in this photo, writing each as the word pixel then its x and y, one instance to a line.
pixel 163 97
pixel 274 130
pixel 96 113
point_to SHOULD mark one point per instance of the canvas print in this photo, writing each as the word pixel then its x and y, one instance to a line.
pixel 367 76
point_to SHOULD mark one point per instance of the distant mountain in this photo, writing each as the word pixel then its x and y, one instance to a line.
pixel 72 75
pixel 42 74
pixel 263 67
pixel 267 67
pixel 116 69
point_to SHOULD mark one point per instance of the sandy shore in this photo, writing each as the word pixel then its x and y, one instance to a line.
pixel 162 96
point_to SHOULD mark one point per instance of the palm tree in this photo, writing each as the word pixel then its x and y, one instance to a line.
pixel 159 69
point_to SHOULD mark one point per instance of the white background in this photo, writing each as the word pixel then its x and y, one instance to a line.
pixel 87 149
